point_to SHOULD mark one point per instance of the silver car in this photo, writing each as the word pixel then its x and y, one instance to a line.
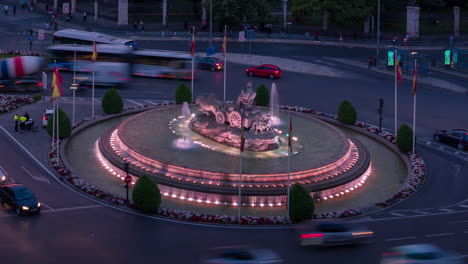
pixel 241 255
pixel 420 253
pixel 331 234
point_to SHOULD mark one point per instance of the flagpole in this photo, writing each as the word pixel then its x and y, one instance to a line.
pixel 74 85
pixel 53 127
pixel 225 62
pixel 414 108
pixel 239 202
pixel 92 101
pixel 58 128
pixel 396 93
pixel 289 165
pixel 193 57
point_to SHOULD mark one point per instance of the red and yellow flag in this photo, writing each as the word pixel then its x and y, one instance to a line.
pixel 192 47
pixel 415 78
pixel 95 53
pixel 398 69
pixel 223 49
pixel 56 84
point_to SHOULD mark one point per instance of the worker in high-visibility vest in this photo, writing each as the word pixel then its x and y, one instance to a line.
pixel 22 120
pixel 16 118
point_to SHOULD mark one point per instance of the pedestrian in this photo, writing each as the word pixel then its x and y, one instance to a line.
pixel 451 39
pixel 5 8
pixel 316 35
pixel 68 17
pixel 84 16
pixel 371 63
pixel 395 40
pixel 135 26
pixel 56 26
pixel 47 8
pixel 16 118
pixel 14 10
pixel 142 27
pixel 22 126
pixel 22 4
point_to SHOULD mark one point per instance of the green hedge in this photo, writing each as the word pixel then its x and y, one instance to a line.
pixel 64 124
pixel 183 94
pixel 263 96
pixel 301 205
pixel 37 97
pixel 404 138
pixel 146 195
pixel 112 102
pixel 346 113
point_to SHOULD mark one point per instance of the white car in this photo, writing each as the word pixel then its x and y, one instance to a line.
pixel 47 114
pixel 240 255
pixel 325 233
pixel 420 253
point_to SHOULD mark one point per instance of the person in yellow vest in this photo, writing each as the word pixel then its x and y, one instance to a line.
pixel 16 118
pixel 22 120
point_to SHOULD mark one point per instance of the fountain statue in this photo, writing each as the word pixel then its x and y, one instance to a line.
pixel 222 122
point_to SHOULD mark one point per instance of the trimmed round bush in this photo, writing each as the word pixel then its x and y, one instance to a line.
pixel 183 94
pixel 64 124
pixel 146 195
pixel 112 102
pixel 37 97
pixel 404 139
pixel 263 96
pixel 346 113
pixel 301 205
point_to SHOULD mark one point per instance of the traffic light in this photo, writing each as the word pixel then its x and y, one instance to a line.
pixel 381 103
pixel 390 58
pixel 126 167
pixel 447 57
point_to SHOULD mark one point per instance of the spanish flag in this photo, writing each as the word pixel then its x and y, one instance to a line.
pixel 56 85
pixel 398 69
pixel 95 53
pixel 415 78
pixel 223 49
pixel 192 47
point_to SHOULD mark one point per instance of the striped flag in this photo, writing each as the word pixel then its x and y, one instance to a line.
pixel 398 69
pixel 95 53
pixel 415 78
pixel 223 49
pixel 192 47
pixel 56 85
pixel 290 148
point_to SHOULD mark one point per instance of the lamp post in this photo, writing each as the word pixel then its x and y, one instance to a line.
pixel 285 8
pixel 378 31
pixel 211 22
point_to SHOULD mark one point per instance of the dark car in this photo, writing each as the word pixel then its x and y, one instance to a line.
pixel 19 198
pixel 454 137
pixel 331 234
pixel 265 70
pixel 211 63
pixel 25 85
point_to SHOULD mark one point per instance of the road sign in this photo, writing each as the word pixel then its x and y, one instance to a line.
pixel 241 35
pixel 128 179
pixel 41 35
pixel 66 8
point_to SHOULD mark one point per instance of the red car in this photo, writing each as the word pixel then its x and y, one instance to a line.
pixel 265 70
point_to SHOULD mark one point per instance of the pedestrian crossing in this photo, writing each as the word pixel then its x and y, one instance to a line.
pixel 127 102
pixel 421 212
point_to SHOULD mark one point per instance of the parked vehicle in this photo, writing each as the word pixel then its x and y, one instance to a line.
pixel 30 126
pixel 47 114
pixel 240 255
pixel 265 70
pixel 19 198
pixel 420 253
pixel 332 233
pixel 454 137
pixel 211 63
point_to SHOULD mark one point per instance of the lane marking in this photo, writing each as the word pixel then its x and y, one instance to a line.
pixel 420 212
pixel 150 102
pixel 400 238
pixel 446 210
pixel 45 205
pixel 463 205
pixel 133 102
pixel 443 234
pixel 458 222
pixel 413 216
pixel 73 208
pixel 37 178
pixel 397 214
pixel 4 171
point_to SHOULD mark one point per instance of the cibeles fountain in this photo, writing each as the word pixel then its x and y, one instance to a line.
pixel 194 154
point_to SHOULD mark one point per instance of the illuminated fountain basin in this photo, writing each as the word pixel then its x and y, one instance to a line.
pixel 325 160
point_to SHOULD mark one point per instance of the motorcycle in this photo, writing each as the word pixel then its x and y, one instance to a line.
pixel 29 125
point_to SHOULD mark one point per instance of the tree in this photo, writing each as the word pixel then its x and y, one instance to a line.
pixel 301 205
pixel 236 12
pixel 183 94
pixel 404 138
pixel 112 102
pixel 301 7
pixel 346 113
pixel 146 195
pixel 64 124
pixel 263 96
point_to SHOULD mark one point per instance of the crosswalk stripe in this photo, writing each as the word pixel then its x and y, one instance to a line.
pixel 133 102
pixel 397 214
pixel 446 210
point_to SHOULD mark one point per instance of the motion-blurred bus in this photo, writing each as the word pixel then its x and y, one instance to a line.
pixel 162 64
pixel 80 37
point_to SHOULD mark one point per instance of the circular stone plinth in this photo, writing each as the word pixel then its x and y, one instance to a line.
pixel 327 159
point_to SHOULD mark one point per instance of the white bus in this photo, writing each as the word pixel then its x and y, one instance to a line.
pixel 80 37
pixel 162 64
pixel 112 65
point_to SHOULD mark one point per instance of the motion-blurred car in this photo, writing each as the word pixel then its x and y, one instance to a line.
pixel 47 115
pixel 211 63
pixel 265 70
pixel 3 177
pixel 24 85
pixel 19 198
pixel 455 137
pixel 331 234
pixel 421 253
pixel 241 255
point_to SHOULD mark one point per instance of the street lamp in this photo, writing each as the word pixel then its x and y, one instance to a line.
pixel 211 22
pixel 285 8
pixel 378 31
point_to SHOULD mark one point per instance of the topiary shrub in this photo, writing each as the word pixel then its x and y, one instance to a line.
pixel 301 205
pixel 112 102
pixel 404 139
pixel 263 96
pixel 146 195
pixel 37 97
pixel 346 113
pixel 64 124
pixel 183 94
